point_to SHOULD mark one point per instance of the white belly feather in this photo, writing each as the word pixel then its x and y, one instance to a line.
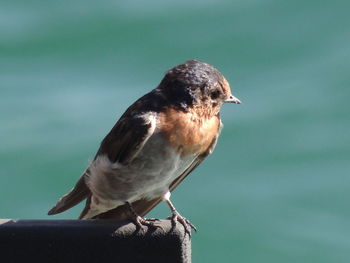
pixel 148 176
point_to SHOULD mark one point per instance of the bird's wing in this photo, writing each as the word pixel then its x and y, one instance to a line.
pixel 143 206
pixel 122 144
pixel 127 138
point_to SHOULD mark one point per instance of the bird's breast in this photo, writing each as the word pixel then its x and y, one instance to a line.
pixel 188 132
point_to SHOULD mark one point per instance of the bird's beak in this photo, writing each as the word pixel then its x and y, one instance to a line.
pixel 233 99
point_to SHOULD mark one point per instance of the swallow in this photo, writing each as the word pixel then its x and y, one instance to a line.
pixel 159 140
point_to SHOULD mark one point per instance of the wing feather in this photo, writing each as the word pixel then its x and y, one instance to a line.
pixel 121 144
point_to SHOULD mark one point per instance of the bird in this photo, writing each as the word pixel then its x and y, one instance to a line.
pixel 158 141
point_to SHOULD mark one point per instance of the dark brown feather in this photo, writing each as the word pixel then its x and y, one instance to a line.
pixel 86 208
pixel 126 139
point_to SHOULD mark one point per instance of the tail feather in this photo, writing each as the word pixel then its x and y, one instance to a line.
pixel 86 208
pixel 75 196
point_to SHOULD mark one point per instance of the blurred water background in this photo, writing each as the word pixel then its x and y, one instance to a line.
pixel 277 187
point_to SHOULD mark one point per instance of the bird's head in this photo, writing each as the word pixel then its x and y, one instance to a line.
pixel 195 83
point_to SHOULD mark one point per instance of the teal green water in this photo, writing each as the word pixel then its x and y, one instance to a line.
pixel 277 187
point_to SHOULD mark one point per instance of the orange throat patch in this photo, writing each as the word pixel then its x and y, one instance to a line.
pixel 190 132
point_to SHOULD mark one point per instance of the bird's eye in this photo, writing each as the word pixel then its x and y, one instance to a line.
pixel 214 94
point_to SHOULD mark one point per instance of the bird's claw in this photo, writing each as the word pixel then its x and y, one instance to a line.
pixel 188 226
pixel 149 222
pixel 140 221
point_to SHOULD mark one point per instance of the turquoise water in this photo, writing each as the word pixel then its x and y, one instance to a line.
pixel 277 187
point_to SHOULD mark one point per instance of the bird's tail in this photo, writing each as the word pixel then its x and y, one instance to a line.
pixel 75 196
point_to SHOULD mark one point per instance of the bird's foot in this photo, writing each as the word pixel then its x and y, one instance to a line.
pixel 149 222
pixel 140 221
pixel 188 226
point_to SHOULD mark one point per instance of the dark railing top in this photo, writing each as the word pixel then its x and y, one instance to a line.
pixel 91 241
